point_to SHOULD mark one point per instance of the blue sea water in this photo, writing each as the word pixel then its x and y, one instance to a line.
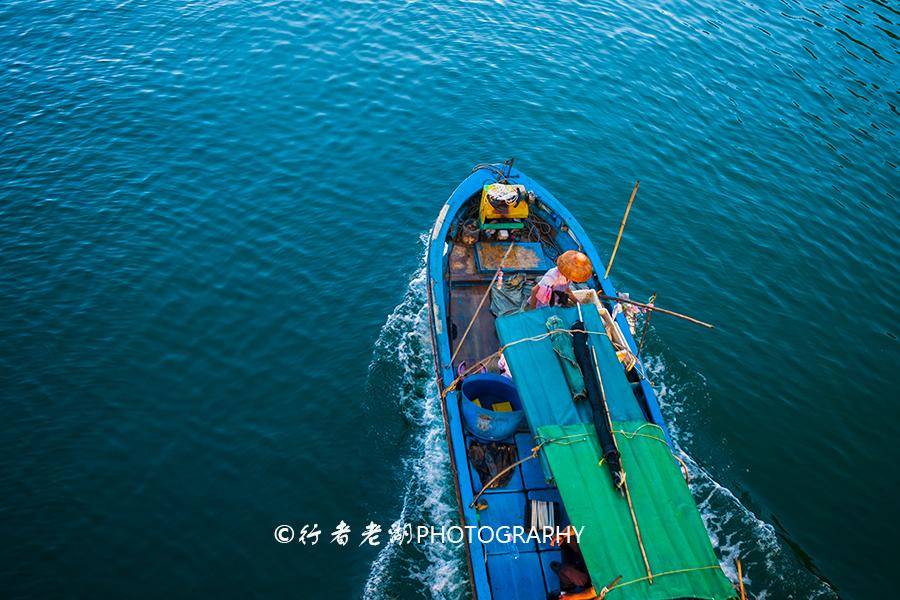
pixel 211 297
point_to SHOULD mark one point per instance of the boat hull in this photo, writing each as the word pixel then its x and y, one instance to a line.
pixel 438 294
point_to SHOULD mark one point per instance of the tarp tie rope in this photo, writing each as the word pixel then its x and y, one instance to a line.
pixel 632 434
pixel 485 360
pixel 605 589
pixel 663 574
pixel 534 454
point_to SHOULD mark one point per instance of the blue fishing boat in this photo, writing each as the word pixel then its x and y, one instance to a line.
pixel 554 432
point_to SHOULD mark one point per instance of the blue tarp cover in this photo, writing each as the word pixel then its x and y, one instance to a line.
pixel 539 376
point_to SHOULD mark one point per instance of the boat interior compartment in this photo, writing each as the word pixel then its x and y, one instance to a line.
pixel 516 569
pixel 524 256
pixel 482 339
pixel 462 265
pixel 519 569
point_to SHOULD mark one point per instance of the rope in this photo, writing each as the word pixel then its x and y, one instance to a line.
pixel 485 360
pixel 498 476
pixel 534 454
pixel 663 574
pixel 684 468
pixel 584 437
pixel 490 167
pixel 632 434
pixel 606 588
pixel 481 303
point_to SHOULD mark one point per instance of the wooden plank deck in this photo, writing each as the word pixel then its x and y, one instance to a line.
pixel 482 339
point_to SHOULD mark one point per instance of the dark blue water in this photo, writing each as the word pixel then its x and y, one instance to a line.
pixel 208 211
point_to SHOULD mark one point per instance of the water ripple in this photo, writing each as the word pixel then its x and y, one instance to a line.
pixel 207 208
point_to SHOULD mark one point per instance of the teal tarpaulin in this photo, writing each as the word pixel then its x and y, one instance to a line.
pixel 539 376
pixel 562 345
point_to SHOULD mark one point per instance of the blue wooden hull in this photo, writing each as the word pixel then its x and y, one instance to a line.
pixel 503 582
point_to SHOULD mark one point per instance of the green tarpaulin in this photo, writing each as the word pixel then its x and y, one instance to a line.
pixel 675 539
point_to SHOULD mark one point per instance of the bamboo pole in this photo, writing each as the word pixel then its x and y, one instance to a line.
pixel 621 229
pixel 627 492
pixel 480 304
pixel 625 489
pixel 662 310
pixel 646 323
pixel 637 531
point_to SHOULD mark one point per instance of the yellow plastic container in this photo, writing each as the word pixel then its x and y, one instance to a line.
pixel 502 212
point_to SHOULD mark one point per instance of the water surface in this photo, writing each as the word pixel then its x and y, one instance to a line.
pixel 210 209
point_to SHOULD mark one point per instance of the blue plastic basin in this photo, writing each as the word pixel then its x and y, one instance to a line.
pixel 482 422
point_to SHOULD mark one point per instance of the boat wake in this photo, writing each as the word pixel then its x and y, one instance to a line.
pixel 403 355
pixel 736 531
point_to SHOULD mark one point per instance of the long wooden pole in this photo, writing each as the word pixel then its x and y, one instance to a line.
pixel 480 304
pixel 646 324
pixel 625 489
pixel 621 229
pixel 740 573
pixel 627 492
pixel 662 310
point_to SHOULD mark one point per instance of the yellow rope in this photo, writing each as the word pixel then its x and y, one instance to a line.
pixel 584 437
pixel 632 434
pixel 643 435
pixel 684 468
pixel 663 574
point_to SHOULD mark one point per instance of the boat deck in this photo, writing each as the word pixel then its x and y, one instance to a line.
pixel 516 570
pixel 482 338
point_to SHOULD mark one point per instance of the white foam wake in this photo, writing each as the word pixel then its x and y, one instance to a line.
pixel 404 356
pixel 735 530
